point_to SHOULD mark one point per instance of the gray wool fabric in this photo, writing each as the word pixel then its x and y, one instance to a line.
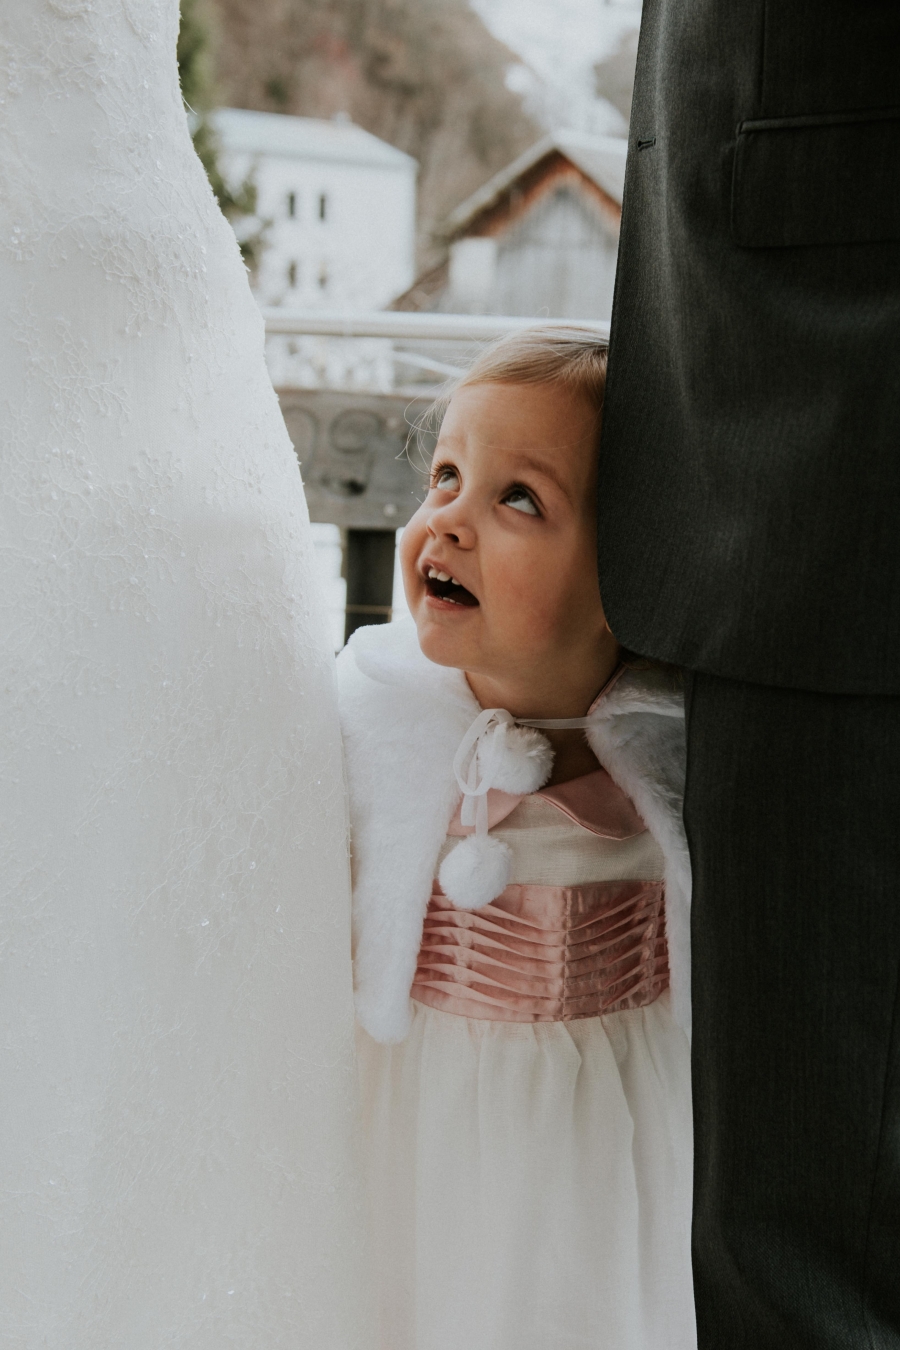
pixel 750 457
pixel 749 530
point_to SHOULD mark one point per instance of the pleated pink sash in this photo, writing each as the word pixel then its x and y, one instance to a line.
pixel 545 953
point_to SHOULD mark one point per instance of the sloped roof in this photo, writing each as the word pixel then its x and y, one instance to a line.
pixel 600 158
pixel 262 133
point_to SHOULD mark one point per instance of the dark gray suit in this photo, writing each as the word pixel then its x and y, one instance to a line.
pixel 749 529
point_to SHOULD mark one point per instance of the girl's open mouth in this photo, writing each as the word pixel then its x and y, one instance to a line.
pixel 442 586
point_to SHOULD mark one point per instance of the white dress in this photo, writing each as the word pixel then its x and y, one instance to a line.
pixel 177 1147
pixel 530 1181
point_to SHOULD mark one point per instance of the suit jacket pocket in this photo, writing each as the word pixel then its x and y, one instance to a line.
pixel 830 179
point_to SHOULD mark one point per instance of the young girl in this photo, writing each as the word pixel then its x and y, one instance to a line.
pixel 520 901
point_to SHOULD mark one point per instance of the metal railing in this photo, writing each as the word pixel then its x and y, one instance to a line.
pixel 403 326
pixel 384 351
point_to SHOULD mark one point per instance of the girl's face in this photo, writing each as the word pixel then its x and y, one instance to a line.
pixel 499 562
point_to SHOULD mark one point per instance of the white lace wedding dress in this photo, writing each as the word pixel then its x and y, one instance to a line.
pixel 176 1116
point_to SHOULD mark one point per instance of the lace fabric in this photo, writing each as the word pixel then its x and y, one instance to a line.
pixel 177 1157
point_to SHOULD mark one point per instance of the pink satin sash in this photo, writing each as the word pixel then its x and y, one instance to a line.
pixel 545 953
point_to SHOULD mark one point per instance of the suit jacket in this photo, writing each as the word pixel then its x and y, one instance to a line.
pixel 749 505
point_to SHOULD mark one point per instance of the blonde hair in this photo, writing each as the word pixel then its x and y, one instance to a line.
pixel 570 355
pixel 549 353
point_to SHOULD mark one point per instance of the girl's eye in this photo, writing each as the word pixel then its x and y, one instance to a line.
pixel 446 480
pixel 520 500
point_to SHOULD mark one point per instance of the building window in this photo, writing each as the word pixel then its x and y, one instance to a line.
pixel 292 204
pixel 293 274
pixel 323 206
pixel 323 276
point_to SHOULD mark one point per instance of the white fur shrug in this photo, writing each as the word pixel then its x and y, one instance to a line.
pixel 403 718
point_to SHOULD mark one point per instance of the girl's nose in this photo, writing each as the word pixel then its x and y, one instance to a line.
pixel 449 522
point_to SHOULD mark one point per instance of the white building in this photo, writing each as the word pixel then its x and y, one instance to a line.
pixel 341 205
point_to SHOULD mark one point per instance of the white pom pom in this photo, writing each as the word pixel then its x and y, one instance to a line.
pixel 475 872
pixel 515 759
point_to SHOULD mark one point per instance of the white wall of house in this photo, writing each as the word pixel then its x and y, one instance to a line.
pixel 341 204
pixel 555 254
pixel 559 259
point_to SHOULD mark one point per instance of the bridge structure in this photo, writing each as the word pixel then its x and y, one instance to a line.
pixel 357 393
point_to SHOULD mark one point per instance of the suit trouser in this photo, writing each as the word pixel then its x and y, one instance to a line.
pixel 793 817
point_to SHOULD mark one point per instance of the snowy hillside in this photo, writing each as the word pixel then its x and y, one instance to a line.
pixel 558 43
